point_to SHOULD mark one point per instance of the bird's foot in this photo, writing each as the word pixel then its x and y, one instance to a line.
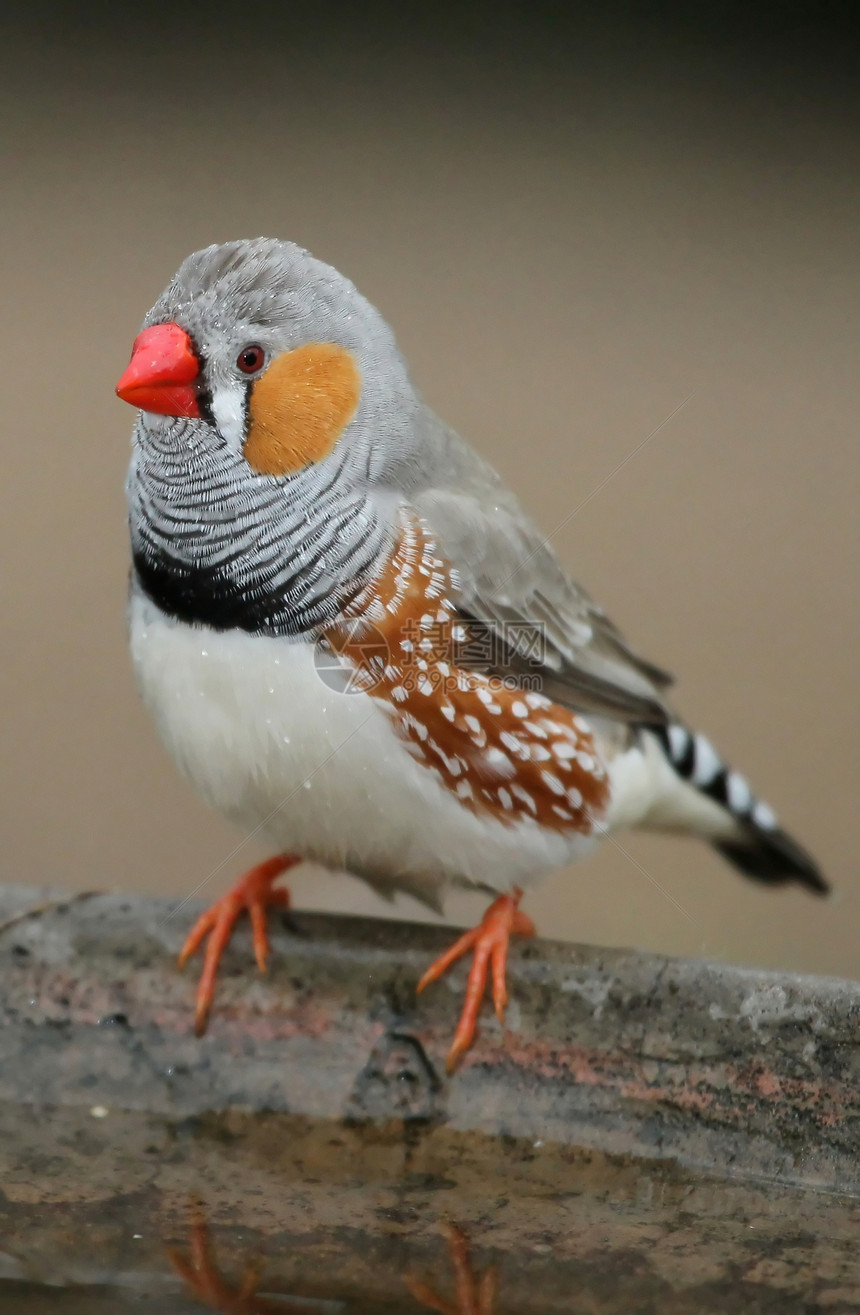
pixel 253 894
pixel 489 944
pixel 475 1296
pixel 201 1275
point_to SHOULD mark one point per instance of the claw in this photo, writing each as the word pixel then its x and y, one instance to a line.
pixel 489 944
pixel 252 893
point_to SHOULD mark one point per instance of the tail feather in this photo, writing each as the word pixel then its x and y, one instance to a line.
pixel 773 857
pixel 760 848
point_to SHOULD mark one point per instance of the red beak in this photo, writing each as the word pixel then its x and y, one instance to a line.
pixel 161 373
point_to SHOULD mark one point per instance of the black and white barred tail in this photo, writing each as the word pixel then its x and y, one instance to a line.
pixel 760 848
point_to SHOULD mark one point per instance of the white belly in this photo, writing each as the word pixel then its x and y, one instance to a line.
pixel 319 773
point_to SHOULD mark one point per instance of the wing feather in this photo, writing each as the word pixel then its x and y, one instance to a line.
pixel 540 621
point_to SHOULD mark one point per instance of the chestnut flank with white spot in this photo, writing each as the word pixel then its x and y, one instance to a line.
pixel 513 754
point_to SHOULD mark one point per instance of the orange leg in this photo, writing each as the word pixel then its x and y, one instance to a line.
pixel 203 1278
pixel 474 1296
pixel 489 944
pixel 253 894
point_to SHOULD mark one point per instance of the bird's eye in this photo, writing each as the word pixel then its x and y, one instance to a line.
pixel 251 359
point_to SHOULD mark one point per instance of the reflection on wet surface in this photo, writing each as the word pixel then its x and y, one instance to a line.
pixel 120 1212
pixel 474 1296
pixel 204 1281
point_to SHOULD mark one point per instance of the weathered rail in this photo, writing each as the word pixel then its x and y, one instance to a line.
pixel 727 1070
pixel 647 1134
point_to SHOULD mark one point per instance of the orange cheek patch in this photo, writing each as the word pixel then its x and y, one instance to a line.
pixel 300 407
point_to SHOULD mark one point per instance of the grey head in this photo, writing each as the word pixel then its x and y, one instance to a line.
pixel 220 541
pixel 280 546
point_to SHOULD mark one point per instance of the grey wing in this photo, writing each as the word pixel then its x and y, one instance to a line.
pixel 514 589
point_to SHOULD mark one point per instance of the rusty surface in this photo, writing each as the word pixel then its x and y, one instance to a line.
pixel 647 1134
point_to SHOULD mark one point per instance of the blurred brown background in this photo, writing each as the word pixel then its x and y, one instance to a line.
pixel 574 222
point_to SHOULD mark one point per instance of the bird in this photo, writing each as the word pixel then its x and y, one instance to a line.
pixel 357 645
